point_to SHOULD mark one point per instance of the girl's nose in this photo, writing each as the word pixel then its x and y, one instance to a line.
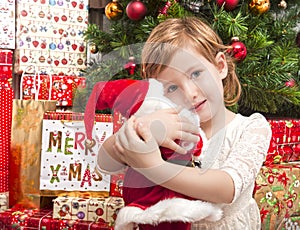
pixel 192 91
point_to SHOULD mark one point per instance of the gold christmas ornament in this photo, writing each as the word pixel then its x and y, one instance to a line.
pixel 114 10
pixel 259 6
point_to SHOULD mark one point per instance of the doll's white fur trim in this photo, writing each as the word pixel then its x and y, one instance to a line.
pixel 169 210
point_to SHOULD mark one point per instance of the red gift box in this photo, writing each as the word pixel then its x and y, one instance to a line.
pixel 41 219
pixel 6 101
pixel 285 141
pixel 59 88
pixel 6 57
pixel 116 185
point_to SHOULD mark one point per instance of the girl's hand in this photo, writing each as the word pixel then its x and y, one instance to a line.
pixel 167 126
pixel 136 146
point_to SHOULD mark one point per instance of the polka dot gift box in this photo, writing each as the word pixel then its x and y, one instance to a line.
pixel 6 99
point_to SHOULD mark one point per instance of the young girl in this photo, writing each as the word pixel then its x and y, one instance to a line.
pixel 190 60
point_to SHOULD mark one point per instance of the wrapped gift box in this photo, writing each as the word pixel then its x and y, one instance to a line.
pixel 6 59
pixel 42 219
pixel 116 184
pixel 103 209
pixel 49 35
pixel 277 193
pixel 285 141
pixel 59 88
pixel 6 101
pixel 3 201
pixel 7 22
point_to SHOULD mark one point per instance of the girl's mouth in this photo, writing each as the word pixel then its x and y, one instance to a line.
pixel 198 106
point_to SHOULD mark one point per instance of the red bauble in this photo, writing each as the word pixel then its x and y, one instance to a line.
pixel 130 66
pixel 229 5
pixel 136 10
pixel 238 50
pixel 291 83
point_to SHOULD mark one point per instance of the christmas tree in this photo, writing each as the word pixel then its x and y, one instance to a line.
pixel 265 36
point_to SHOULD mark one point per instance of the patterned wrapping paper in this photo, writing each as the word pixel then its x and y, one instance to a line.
pixel 285 141
pixel 7 24
pixel 59 88
pixel 277 193
pixel 103 209
pixel 42 219
pixel 6 101
pixel 50 36
pixel 67 161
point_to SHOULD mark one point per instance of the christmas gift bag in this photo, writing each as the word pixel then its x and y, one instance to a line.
pixel 25 158
pixel 67 159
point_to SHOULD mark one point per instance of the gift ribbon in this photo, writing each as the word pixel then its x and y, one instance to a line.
pixel 40 222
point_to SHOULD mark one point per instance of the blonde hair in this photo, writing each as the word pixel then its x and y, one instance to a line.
pixel 182 32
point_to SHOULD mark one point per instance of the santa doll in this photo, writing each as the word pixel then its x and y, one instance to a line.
pixel 147 205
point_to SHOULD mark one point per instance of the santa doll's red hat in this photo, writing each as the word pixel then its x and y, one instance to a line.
pixel 123 95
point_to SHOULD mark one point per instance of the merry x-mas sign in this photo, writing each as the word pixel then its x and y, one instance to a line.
pixel 67 162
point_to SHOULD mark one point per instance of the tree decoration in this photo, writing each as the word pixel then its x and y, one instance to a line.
pixel 114 10
pixel 136 10
pixel 93 48
pixel 259 6
pixel 290 83
pixel 130 65
pixel 282 4
pixel 164 10
pixel 229 5
pixel 192 5
pixel 238 50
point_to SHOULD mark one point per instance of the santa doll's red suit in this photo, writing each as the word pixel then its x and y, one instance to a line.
pixel 147 205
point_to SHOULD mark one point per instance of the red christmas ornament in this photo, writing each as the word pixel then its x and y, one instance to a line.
pixel 136 10
pixel 238 50
pixel 229 5
pixel 291 83
pixel 130 66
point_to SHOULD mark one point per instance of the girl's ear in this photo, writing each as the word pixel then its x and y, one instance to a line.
pixel 221 64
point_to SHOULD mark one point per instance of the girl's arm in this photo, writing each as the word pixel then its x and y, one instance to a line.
pixel 108 157
pixel 214 185
pixel 165 125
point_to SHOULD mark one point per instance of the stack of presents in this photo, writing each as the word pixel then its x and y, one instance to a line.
pixel 47 176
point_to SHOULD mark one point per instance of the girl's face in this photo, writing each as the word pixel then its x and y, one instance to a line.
pixel 193 82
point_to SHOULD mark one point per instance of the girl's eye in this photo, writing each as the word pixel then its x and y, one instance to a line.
pixel 171 88
pixel 195 74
